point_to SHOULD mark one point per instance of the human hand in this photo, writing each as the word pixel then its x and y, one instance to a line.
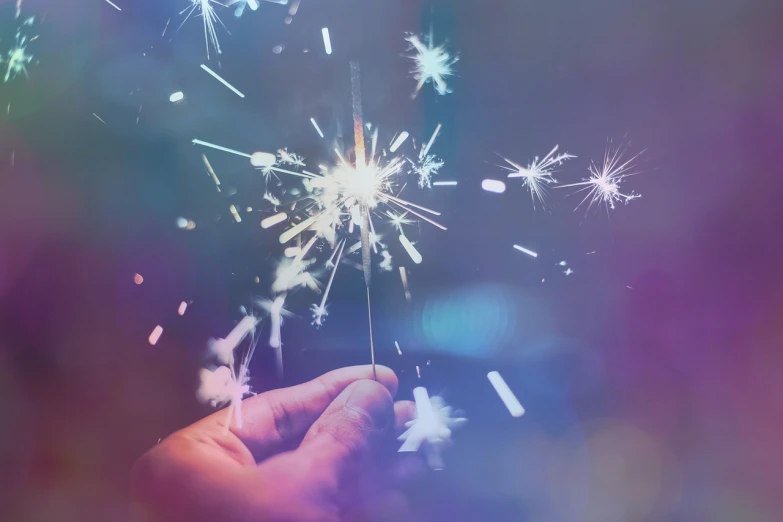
pixel 305 453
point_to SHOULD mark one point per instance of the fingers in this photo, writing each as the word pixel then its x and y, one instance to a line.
pixel 355 424
pixel 404 411
pixel 277 420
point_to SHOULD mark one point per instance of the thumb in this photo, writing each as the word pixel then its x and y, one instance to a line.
pixel 352 426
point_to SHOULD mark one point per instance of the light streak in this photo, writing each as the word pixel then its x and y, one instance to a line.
pixel 221 80
pixel 294 7
pixel 418 372
pixel 399 141
pixel 292 251
pixel 397 345
pixel 221 148
pixel 317 128
pixel 234 212
pixel 493 185
pixel 211 171
pixel 155 335
pixel 426 149
pixel 319 311
pixel 263 159
pixel 209 17
pixel 444 183
pixel 327 40
pixel 99 118
pixel 165 27
pixel 410 249
pixel 273 220
pixel 182 307
pixel 113 5
pixel 176 97
pixel 526 251
pixel 506 395
pixel 404 278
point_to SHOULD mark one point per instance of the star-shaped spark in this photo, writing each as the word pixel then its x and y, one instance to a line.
pixel 538 174
pixel 603 185
pixel 17 58
pixel 432 427
pixel 398 220
pixel 425 169
pixel 430 63
pixel 206 10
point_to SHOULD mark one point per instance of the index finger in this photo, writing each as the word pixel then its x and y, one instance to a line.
pixel 277 420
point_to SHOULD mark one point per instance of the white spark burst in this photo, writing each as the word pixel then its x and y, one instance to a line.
pixel 430 63
pixel 206 10
pixel 17 58
pixel 538 173
pixel 425 169
pixel 432 427
pixel 603 185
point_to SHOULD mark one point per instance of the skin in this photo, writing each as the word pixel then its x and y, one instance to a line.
pixel 321 451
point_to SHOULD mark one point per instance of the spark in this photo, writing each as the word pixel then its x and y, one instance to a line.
pixel 432 428
pixel 99 118
pixel 18 9
pixel 207 13
pixel 219 147
pixel 418 371
pixel 568 271
pixel 397 345
pixel 294 7
pixel 538 173
pixel 404 278
pixel 427 168
pixel 17 58
pixel 506 395
pixel 273 220
pixel 165 28
pixel 263 159
pixel 427 148
pixel 155 335
pixel 210 170
pixel 113 5
pixel 493 185
pixel 292 251
pixel 327 40
pixel 138 279
pixel 186 224
pixel 526 251
pixel 182 307
pixel 222 80
pixel 444 183
pixel 176 97
pixel 399 141
pixel 410 249
pixel 319 311
pixel 603 185
pixel 398 220
pixel 317 128
pixel 431 64
pixel 235 213
pixel 252 4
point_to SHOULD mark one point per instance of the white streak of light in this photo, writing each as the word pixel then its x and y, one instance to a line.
pixel 408 246
pixel 177 96
pixel 294 7
pixel 273 220
pixel 426 149
pixel 233 210
pixel 182 307
pixel 526 251
pixel 444 183
pixel 418 372
pixel 118 9
pixel 99 118
pixel 210 170
pixel 218 147
pixel 493 185
pixel 327 40
pixel 399 141
pixel 165 28
pixel 404 277
pixel 317 128
pixel 263 159
pixel 221 80
pixel 155 335
pixel 506 395
pixel 397 345
pixel 292 251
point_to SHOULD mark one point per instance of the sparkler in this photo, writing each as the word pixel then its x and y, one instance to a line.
pixel 432 427
pixel 206 11
pixel 603 185
pixel 17 58
pixel 538 173
pixel 430 63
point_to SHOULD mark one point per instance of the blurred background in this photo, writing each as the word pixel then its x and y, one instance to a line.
pixel 650 375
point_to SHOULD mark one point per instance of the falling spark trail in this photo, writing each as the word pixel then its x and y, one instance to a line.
pixel 211 171
pixel 408 246
pixel 327 40
pixel 218 147
pixel 113 5
pixel 444 183
pixel 399 141
pixel 209 18
pixel 236 215
pixel 274 220
pixel 221 80
pixel 138 115
pixel 18 8
pixel 294 7
pixel 404 278
pixel 526 251
pixel 320 311
pixel 99 118
pixel 418 372
pixel 155 335
pixel 397 345
pixel 317 128
pixel 177 96
pixel 426 149
pixel 166 27
pixel 493 185
pixel 506 395
pixel 182 307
